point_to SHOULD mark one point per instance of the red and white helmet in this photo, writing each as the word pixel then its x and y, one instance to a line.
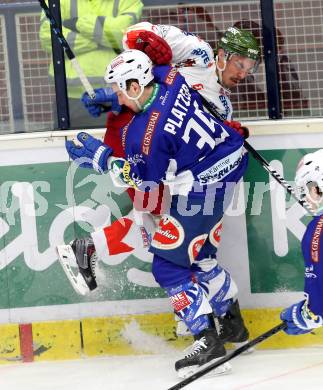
pixel 131 64
pixel 309 170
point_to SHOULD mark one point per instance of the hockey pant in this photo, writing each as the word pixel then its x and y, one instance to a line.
pixel 185 265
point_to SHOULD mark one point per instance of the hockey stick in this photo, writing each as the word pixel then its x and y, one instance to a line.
pixel 69 53
pixel 279 178
pixel 230 356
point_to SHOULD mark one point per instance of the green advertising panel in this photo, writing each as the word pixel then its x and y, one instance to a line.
pixel 271 271
pixel 44 205
pixel 40 205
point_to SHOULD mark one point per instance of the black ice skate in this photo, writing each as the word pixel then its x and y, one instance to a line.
pixel 231 327
pixel 206 349
pixel 85 255
pixel 78 261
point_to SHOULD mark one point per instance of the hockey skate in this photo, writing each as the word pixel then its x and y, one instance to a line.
pixel 231 327
pixel 78 261
pixel 206 349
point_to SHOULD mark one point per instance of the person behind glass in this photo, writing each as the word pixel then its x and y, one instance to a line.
pixel 306 315
pixel 94 31
pixel 248 96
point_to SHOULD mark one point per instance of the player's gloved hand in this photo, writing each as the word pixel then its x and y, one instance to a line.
pixel 92 154
pixel 70 24
pixel 156 48
pixel 243 131
pixel 300 319
pixel 105 100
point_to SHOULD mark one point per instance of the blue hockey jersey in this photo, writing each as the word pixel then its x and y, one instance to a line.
pixel 312 247
pixel 175 141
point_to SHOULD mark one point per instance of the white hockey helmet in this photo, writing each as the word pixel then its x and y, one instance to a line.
pixel 131 64
pixel 309 170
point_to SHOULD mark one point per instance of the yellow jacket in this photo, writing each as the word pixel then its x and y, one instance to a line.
pixel 100 25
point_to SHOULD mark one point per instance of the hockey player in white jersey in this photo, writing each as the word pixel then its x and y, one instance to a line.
pixel 237 55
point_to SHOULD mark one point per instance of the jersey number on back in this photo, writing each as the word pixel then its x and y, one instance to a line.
pixel 205 137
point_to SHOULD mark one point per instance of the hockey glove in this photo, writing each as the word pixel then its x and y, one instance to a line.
pixel 92 154
pixel 300 319
pixel 105 100
pixel 243 131
pixel 156 48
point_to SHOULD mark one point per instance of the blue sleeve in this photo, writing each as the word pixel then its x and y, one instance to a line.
pixel 312 246
pixel 149 152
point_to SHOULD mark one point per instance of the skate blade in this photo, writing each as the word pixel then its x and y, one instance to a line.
pixel 67 258
pixel 185 372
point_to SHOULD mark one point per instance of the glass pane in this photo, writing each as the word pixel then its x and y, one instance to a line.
pixel 38 91
pixel 27 93
pixel 209 21
pixel 300 48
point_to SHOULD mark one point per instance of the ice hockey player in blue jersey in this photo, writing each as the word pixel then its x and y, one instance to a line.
pixel 172 140
pixel 306 315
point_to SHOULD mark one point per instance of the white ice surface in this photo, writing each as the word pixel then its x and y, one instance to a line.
pixel 299 369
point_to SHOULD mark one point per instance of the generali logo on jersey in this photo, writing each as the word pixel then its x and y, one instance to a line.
pixel 169 234
pixel 315 245
pixel 152 123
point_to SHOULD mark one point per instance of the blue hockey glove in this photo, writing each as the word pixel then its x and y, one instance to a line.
pixel 93 154
pixel 105 100
pixel 300 319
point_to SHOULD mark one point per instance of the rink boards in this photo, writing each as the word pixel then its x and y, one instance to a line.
pixel 125 335
pixel 45 202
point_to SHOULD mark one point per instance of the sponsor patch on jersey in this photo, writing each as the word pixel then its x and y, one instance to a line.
pixel 309 272
pixel 187 63
pixel 195 246
pixel 180 301
pixel 215 234
pixel 225 92
pixel 221 168
pixel 124 133
pixel 149 132
pixel 146 237
pixel 129 177
pixel 315 243
pixel 201 53
pixel 163 99
pixel 169 234
pixel 198 87
pixel 170 78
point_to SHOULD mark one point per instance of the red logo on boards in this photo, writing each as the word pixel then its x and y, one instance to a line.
pixel 115 233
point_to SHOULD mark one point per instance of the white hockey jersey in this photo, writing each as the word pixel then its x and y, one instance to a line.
pixel 196 63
